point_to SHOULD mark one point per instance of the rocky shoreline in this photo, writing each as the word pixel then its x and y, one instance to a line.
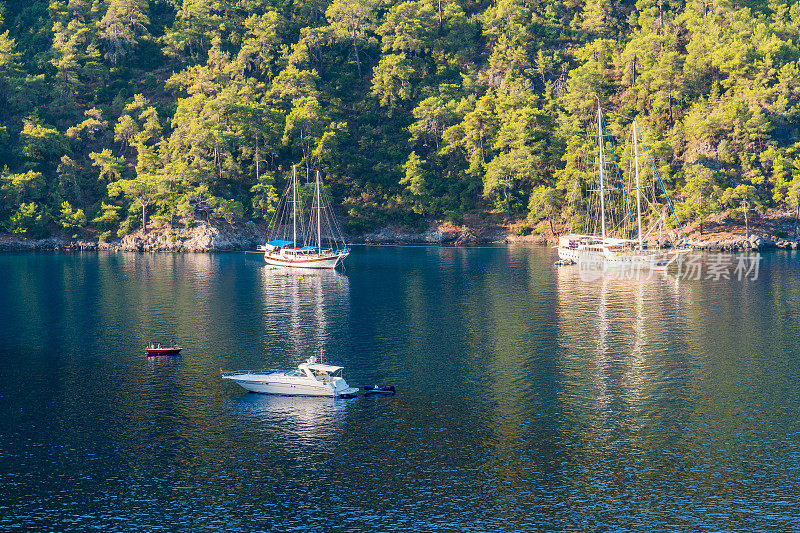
pixel 753 242
pixel 211 238
pixel 459 236
pixel 201 238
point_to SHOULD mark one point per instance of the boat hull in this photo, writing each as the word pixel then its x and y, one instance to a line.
pixel 613 253
pixel 649 260
pixel 264 385
pixel 286 389
pixel 327 262
pixel 151 352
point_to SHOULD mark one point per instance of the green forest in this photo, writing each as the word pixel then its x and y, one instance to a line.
pixel 115 113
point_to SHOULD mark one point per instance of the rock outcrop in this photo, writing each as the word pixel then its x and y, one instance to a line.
pixel 752 242
pixel 200 238
pixel 398 235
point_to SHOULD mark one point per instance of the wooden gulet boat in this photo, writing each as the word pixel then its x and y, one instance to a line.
pixel 316 251
pixel 610 251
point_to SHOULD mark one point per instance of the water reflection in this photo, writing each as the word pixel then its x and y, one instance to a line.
pixel 529 399
pixel 311 419
pixel 302 306
pixel 163 361
pixel 616 323
pixel 616 361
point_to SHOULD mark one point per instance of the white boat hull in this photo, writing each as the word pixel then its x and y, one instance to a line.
pixel 277 383
pixel 643 260
pixel 327 261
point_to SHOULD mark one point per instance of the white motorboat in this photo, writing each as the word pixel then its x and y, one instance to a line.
pixel 318 244
pixel 310 378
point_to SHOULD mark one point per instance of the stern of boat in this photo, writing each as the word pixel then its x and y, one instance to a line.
pixel 341 389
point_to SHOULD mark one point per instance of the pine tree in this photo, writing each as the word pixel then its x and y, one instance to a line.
pixel 123 27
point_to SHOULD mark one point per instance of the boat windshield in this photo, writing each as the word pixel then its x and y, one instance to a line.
pixel 295 373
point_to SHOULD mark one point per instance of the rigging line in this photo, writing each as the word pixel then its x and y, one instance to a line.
pixel 619 174
pixel 326 216
pixel 279 230
pixel 331 223
pixel 327 222
pixel 330 220
pixel 669 202
pixel 335 224
pixel 618 225
pixel 339 232
pixel 271 226
pixel 310 229
pixel 284 215
pixel 275 217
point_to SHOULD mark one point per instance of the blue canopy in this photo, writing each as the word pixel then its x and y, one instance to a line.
pixel 280 244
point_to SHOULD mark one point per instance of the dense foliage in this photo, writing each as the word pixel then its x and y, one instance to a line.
pixel 117 110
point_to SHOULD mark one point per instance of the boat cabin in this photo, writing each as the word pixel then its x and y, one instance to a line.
pixel 289 248
pixel 595 244
pixel 162 345
pixel 319 371
pixel 276 245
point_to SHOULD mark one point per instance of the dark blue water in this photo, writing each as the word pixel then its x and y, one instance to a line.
pixel 528 399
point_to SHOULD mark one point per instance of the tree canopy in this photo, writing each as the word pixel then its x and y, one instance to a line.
pixel 116 112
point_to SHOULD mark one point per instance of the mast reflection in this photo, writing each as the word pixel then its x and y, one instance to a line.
pixel 624 340
pixel 303 308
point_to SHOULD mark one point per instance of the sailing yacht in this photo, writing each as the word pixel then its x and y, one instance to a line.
pixel 308 248
pixel 605 250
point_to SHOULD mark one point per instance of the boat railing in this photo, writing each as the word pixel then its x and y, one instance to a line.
pixel 257 371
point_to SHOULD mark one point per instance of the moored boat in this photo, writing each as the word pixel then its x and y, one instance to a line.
pixel 605 250
pixel 284 253
pixel 387 389
pixel 318 244
pixel 169 347
pixel 310 378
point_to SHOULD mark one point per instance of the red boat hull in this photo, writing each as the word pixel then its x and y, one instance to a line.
pixel 163 351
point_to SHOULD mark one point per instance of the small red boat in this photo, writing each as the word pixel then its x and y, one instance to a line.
pixel 162 348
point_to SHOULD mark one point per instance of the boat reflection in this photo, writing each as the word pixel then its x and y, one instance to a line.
pixel 163 361
pixel 623 342
pixel 302 308
pixel 615 354
pixel 612 319
pixel 307 417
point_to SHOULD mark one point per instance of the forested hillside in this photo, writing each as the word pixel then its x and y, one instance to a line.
pixel 412 110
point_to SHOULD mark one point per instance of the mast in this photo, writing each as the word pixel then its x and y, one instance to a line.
pixel 602 186
pixel 294 206
pixel 638 197
pixel 319 223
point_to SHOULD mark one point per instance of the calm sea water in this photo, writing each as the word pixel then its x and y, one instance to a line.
pixel 528 399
